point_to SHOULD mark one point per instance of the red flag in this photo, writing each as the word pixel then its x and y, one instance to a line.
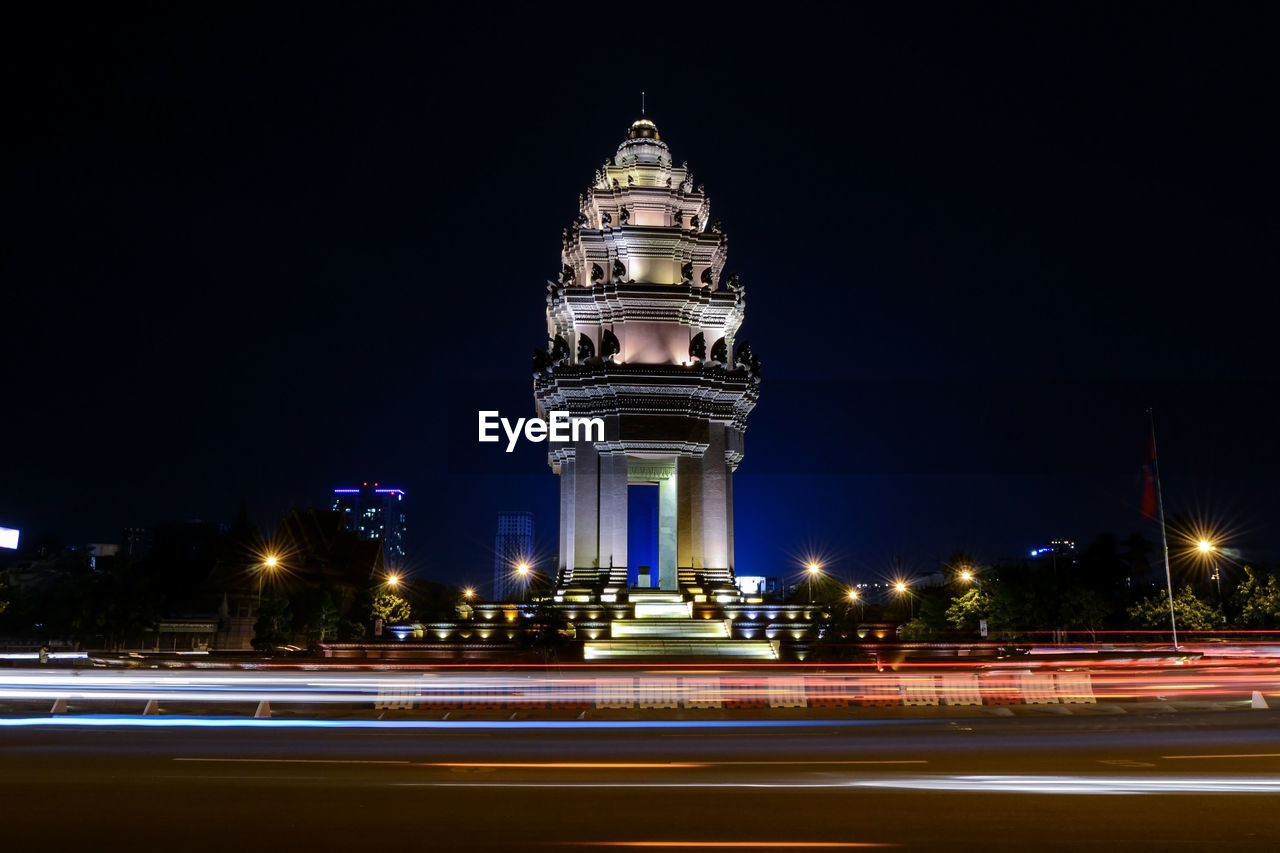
pixel 1149 481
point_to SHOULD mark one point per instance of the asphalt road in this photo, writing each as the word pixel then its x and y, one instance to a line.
pixel 1207 781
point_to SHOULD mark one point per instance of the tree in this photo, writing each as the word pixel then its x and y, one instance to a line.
pixel 274 619
pixel 966 610
pixel 317 616
pixel 546 629
pixel 1082 608
pixel 390 608
pixel 1258 599
pixel 1190 612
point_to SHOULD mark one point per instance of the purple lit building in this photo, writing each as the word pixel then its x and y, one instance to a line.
pixel 375 512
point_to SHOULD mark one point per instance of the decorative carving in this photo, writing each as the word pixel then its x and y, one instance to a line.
pixel 624 215
pixel 733 283
pixel 619 271
pixel 567 275
pixel 559 351
pixel 715 226
pixel 554 291
pixel 707 277
pixel 686 273
pixel 597 274
pixel 668 182
pixel 694 222
pixel 605 219
pixel 586 349
pixel 582 219
pixel 609 345
pixel 746 358
pixel 720 352
pixel 698 347
pixel 541 361
pixel 631 179
pixel 677 218
pixel 702 190
pixel 615 183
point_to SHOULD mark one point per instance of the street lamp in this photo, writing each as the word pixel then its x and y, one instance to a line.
pixel 855 598
pixel 468 593
pixel 393 579
pixel 1206 548
pixel 523 571
pixel 901 588
pixel 268 564
pixel 814 570
pixel 966 576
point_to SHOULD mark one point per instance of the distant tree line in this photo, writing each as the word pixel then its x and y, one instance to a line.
pixel 1108 585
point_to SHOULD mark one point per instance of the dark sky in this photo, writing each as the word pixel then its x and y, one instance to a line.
pixel 253 253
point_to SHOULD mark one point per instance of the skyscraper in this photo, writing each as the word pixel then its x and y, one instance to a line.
pixel 375 513
pixel 512 546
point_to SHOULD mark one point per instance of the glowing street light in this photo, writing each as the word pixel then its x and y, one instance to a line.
pixel 269 564
pixel 814 570
pixel 901 588
pixel 468 593
pixel 1206 548
pixel 523 571
pixel 393 579
pixel 966 575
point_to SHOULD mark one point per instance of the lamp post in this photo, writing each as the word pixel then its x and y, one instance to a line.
pixel 814 570
pixel 1207 548
pixel 268 565
pixel 523 571
pixel 901 588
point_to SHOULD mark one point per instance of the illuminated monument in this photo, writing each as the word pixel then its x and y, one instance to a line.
pixel 642 324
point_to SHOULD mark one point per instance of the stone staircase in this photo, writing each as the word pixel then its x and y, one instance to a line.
pixel 662 626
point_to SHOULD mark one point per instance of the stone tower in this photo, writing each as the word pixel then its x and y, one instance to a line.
pixel 642 324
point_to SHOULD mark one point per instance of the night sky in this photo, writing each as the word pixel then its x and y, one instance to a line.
pixel 251 254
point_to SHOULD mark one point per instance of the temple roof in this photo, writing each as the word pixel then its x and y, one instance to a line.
pixel 643 128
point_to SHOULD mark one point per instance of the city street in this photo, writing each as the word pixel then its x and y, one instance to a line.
pixel 1186 781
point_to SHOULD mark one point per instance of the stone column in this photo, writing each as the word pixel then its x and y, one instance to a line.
pixel 613 514
pixel 716 534
pixel 586 509
pixel 567 487
pixel 667 527
pixel 689 552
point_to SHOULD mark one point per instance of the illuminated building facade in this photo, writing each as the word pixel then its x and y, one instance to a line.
pixel 512 547
pixel 375 513
pixel 642 323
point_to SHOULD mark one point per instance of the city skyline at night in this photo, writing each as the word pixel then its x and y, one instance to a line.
pixel 973 283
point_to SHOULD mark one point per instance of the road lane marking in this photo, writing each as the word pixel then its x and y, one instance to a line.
pixel 559 765
pixel 291 760
pixel 660 765
pixel 731 845
pixel 1227 755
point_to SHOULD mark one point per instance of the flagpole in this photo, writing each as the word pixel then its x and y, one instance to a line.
pixel 1164 533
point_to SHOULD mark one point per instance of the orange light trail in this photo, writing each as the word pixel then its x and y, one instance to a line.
pixel 559 765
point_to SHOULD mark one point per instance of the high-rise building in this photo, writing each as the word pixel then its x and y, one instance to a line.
pixel 512 547
pixel 375 513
